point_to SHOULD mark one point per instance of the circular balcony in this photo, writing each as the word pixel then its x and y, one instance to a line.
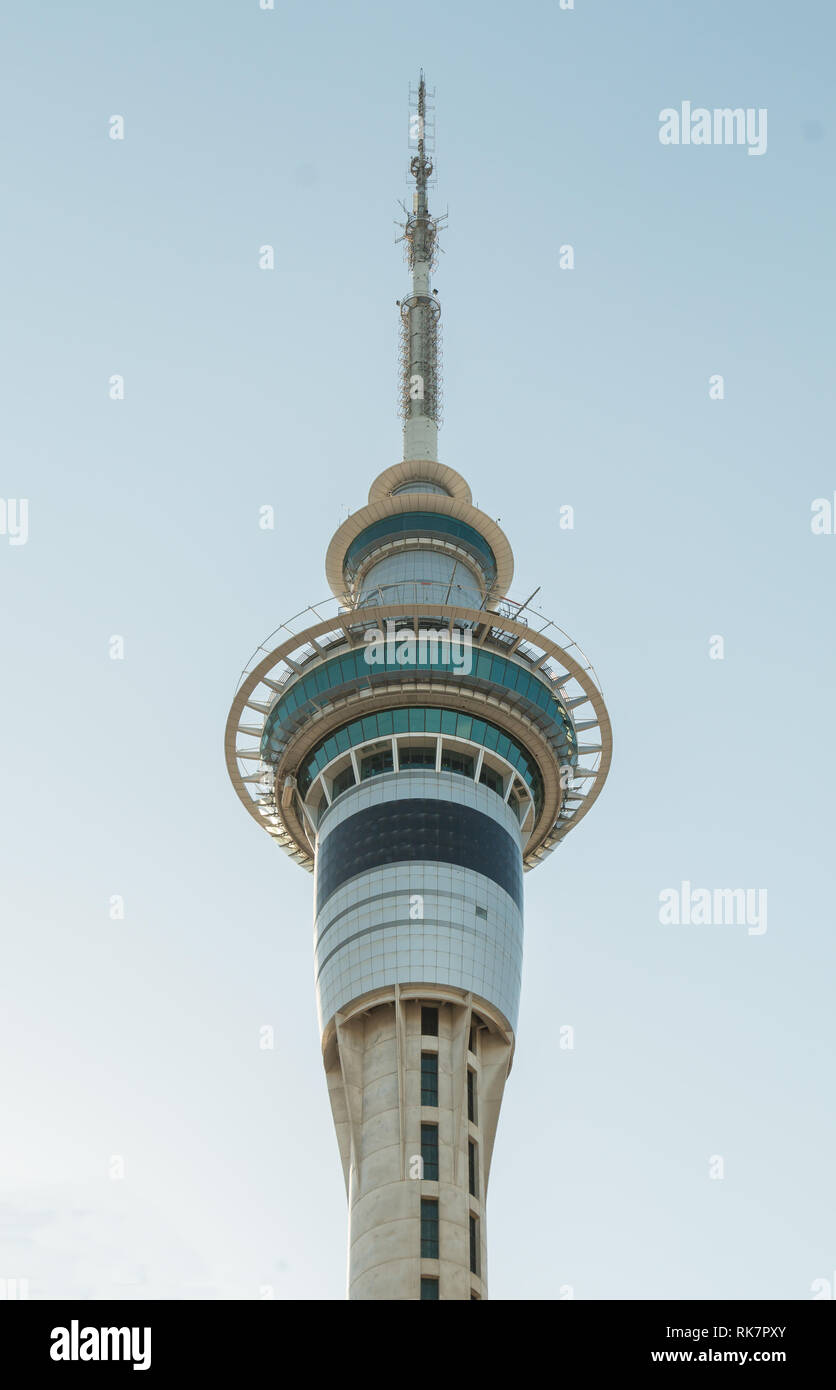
pixel 268 743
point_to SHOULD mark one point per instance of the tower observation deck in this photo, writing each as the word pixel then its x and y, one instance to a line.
pixel 418 742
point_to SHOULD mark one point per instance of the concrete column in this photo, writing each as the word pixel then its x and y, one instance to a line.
pixel 373 1062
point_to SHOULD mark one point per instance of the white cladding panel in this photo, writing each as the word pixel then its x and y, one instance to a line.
pixel 417 922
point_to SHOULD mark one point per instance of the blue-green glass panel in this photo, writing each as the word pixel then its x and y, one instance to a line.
pixel 418 719
pixel 416 523
pixel 487 666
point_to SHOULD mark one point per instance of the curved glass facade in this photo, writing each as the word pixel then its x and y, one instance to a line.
pixel 419 485
pixel 345 673
pixel 406 831
pixel 421 720
pixel 421 576
pixel 419 524
pixel 470 936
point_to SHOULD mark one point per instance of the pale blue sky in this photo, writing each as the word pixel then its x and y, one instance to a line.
pixel 243 387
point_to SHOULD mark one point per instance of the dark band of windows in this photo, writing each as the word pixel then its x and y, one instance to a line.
pixel 413 830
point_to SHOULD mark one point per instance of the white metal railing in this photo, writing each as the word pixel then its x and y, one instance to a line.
pixel 351 617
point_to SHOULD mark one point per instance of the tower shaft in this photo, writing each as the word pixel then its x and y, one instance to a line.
pixel 415 1115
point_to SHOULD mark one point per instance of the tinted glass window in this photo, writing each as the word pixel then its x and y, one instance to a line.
pixel 429 1229
pixel 429 1151
pixel 429 1078
pixel 410 830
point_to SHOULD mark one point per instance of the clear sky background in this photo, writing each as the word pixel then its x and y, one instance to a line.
pixel 140 1038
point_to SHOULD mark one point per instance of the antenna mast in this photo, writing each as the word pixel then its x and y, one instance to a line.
pixel 420 405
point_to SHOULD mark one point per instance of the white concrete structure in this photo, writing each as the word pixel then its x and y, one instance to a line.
pixel 373 1059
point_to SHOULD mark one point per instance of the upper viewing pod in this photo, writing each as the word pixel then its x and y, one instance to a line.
pixel 420 506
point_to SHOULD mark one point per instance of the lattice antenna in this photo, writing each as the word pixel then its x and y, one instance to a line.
pixel 420 403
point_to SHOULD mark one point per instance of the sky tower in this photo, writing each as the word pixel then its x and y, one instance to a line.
pixel 418 742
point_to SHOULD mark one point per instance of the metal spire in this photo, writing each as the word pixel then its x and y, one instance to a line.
pixel 420 314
